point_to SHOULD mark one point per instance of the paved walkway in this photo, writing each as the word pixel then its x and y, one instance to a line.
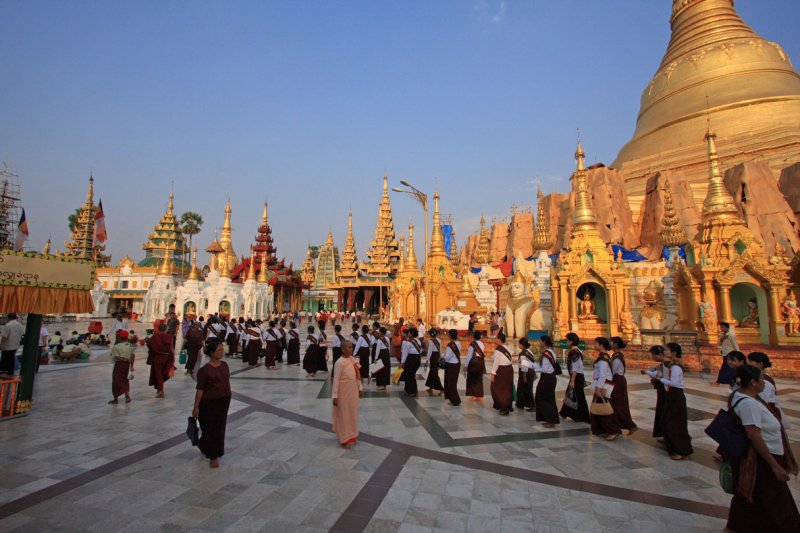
pixel 78 464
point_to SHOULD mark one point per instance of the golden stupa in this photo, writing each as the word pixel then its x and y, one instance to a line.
pixel 715 67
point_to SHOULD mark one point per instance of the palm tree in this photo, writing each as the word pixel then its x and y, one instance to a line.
pixel 190 225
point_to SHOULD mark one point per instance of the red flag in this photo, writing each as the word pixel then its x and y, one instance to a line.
pixel 22 233
pixel 100 234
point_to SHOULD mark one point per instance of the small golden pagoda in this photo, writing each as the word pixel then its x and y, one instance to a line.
pixel 587 284
pixel 166 235
pixel 542 239
pixel 407 284
pixel 383 254
pixel 455 256
pixel 483 246
pixel 227 260
pixel 307 270
pixel 348 271
pixel 81 244
pixel 194 274
pixel 441 283
pixel 727 276
pixel 215 249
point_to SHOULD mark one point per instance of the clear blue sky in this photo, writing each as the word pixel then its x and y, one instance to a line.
pixel 305 103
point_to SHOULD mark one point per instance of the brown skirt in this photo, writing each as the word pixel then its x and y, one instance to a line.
pixel 475 371
pixel 272 349
pixel 525 389
pixel 657 431
pixel 159 371
pixel 545 400
pixel 433 381
pixel 213 418
pixel 192 352
pixel 581 414
pixel 604 425
pixel 773 508
pixel 674 423
pixel 119 379
pixel 619 401
pixel 252 351
pixel 451 373
pixel 310 359
pixel 503 388
pixel 383 376
pixel 293 352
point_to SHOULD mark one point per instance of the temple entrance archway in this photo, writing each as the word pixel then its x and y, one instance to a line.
pixel 598 296
pixel 743 296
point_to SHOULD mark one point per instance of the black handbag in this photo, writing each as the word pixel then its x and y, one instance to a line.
pixel 193 431
pixel 728 432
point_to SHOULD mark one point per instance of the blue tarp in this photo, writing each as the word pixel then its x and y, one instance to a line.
pixel 627 255
pixel 447 230
pixel 554 259
pixel 681 252
pixel 475 270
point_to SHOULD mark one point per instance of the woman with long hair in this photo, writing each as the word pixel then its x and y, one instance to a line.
pixel 211 402
pixel 575 405
pixel 762 500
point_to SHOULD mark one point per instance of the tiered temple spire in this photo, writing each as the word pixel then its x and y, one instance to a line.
pixel 437 239
pixel 455 260
pixel 483 247
pixel 82 245
pixel 411 256
pixel 583 217
pixel 542 240
pixel 672 233
pixel 719 202
pixel 166 235
pixel 383 256
pixel 193 274
pixel 228 257
pixel 327 263
pixel 349 264
pixel 307 270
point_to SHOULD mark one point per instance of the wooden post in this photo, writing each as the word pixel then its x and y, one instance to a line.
pixel 30 355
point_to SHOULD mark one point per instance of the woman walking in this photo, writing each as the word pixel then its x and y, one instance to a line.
pixel 123 355
pixel 211 402
pixel 322 352
pixel 619 398
pixel 656 373
pixel 193 345
pixel 762 500
pixel 602 380
pixel 362 348
pixel 383 376
pixel 527 375
pixel 502 387
pixel 161 358
pixel 293 345
pixel 575 405
pixel 311 357
pixel 433 382
pixel 452 368
pixel 253 347
pixel 347 390
pixel 475 367
pixel 410 361
pixel 674 418
pixel 545 399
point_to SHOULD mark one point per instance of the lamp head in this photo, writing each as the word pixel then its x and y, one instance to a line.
pixel 397 189
pixel 406 183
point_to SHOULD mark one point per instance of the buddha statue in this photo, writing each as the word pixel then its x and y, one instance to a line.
pixel 626 323
pixel 519 307
pixel 791 313
pixel 586 307
pixel 751 320
pixel 562 321
pixel 652 316
pixel 708 316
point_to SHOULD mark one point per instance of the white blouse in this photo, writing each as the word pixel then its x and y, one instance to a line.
pixel 601 374
pixel 673 377
pixel 432 347
pixel 450 356
pixel 545 366
pixel 500 359
pixel 471 352
pixel 407 349
pixel 768 394
pixel 617 366
pixel 363 342
pixel 754 413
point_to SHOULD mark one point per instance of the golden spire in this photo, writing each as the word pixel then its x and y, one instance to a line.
pixel 542 240
pixel 226 270
pixel 402 266
pixel 262 274
pixel 718 202
pixel 171 204
pixel 453 252
pixel 672 233
pixel 482 249
pixel 307 270
pixel 90 194
pixel 411 256
pixel 166 265
pixel 466 290
pixel 437 240
pixel 349 262
pixel 193 271
pixel 46 250
pixel 583 218
pixel 329 241
pixel 228 257
pixel 263 215
pixel 251 272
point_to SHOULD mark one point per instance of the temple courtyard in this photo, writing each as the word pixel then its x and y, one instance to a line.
pixel 77 464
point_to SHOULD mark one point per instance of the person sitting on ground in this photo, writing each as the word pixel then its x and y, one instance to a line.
pixel 75 352
pixel 55 342
pixel 74 338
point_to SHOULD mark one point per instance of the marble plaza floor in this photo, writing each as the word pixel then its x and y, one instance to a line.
pixel 78 464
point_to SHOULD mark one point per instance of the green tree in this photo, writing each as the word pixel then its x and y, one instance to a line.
pixel 314 252
pixel 190 225
pixel 73 220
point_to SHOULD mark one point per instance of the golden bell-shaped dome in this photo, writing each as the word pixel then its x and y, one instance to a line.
pixel 715 67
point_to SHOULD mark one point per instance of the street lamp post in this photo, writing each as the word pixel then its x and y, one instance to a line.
pixel 422 198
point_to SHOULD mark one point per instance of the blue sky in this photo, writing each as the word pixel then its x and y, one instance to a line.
pixel 306 103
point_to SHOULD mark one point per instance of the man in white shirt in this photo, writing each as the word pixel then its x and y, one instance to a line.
pixel 12 333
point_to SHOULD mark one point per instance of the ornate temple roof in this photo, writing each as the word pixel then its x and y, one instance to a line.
pixel 481 256
pixel 383 256
pixel 166 235
pixel 541 239
pixel 81 244
pixel 348 271
pixel 327 264
pixel 307 270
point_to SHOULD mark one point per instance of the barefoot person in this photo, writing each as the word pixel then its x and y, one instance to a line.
pixel 161 358
pixel 347 389
pixel 211 402
pixel 123 356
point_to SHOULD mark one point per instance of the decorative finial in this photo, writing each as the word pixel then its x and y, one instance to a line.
pixel 251 272
pixel 672 233
pixel 171 204
pixel 46 250
pixel 166 264
pixel 718 202
pixel 411 256
pixel 90 194
pixel 262 274
pixel 583 217
pixel 264 215
pixel 402 266
pixel 437 239
pixel 193 271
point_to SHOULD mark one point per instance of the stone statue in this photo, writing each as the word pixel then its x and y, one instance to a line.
pixel 654 311
pixel 708 316
pixel 562 320
pixel 518 308
pixel 626 323
pixel 586 307
pixel 751 320
pixel 791 313
pixel 780 257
